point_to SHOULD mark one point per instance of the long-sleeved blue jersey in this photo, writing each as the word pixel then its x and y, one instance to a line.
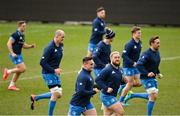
pixel 51 58
pixel 19 40
pixel 98 30
pixel 101 56
pixel 131 53
pixel 149 62
pixel 83 89
pixel 109 77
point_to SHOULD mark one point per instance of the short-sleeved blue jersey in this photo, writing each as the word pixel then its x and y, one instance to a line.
pixel 19 39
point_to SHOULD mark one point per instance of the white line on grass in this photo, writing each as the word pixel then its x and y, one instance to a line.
pixel 170 58
pixel 38 76
pixel 70 72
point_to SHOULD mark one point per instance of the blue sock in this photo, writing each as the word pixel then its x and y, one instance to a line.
pixel 121 88
pixel 51 107
pixel 140 95
pixel 122 98
pixel 150 106
pixel 43 96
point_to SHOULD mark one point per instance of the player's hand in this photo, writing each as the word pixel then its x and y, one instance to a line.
pixel 14 55
pixel 33 45
pixel 151 74
pixel 96 90
pixel 134 64
pixel 160 76
pixel 109 90
pixel 58 71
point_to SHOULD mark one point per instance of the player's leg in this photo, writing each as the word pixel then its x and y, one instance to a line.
pixel 151 88
pixel 20 68
pixel 56 90
pixel 109 102
pixel 75 110
pixel 126 89
pixel 34 98
pixel 107 112
pixel 91 48
pixel 117 108
pixel 136 95
pixel 123 84
pixel 90 110
pixel 137 81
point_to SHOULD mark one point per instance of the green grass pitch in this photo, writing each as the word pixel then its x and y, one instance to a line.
pixel 75 47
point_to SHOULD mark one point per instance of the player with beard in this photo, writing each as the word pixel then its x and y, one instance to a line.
pixel 109 81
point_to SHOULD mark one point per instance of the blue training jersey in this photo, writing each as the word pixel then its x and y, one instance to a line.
pixel 149 62
pixel 83 89
pixel 51 58
pixel 98 30
pixel 131 53
pixel 19 39
pixel 101 56
pixel 109 77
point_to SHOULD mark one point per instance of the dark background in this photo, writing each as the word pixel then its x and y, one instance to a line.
pixel 163 12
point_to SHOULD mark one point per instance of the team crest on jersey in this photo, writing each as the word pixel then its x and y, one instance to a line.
pixel 102 24
pixel 55 50
pixel 124 51
pixel 149 84
pixel 95 29
pixel 21 38
pixel 135 47
pixel 113 72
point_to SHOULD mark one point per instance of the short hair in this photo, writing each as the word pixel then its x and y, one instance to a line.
pixel 100 9
pixel 86 59
pixel 112 53
pixel 134 29
pixel 20 23
pixel 152 39
pixel 58 32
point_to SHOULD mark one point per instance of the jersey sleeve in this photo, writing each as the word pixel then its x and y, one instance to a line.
pixel 125 54
pixel 141 64
pixel 100 80
pixel 96 28
pixel 14 37
pixel 44 59
pixel 81 85
pixel 96 59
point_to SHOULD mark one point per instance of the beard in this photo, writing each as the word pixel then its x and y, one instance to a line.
pixel 116 64
pixel 157 48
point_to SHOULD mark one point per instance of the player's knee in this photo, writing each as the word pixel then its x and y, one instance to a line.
pixel 153 93
pixel 121 113
pixel 56 92
pixel 22 69
pixel 137 84
pixel 153 97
